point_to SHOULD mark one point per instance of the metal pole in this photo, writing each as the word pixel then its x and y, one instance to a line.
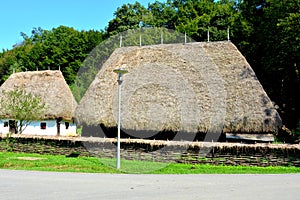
pixel 120 73
pixel 119 121
pixel 208 34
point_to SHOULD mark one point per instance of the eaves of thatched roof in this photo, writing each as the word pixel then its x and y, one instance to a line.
pixel 196 87
pixel 51 86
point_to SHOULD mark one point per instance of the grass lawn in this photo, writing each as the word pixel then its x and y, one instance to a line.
pixel 22 161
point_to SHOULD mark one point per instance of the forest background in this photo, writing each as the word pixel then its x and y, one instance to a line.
pixel 267 32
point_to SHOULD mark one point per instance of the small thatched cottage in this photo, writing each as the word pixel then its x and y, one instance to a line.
pixel 57 96
pixel 184 88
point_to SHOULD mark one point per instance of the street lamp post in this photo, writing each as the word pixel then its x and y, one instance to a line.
pixel 120 72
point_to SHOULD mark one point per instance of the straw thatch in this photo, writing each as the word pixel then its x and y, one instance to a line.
pixel 50 86
pixel 196 87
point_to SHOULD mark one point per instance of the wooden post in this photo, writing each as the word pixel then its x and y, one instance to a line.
pixel 120 41
pixel 140 40
pixel 58 122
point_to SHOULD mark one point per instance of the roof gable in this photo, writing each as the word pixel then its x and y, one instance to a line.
pixel 50 85
pixel 191 87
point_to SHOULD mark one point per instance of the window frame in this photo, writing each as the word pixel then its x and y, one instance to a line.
pixel 5 124
pixel 43 125
pixel 67 125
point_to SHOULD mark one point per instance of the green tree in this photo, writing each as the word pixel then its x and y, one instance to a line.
pixel 272 48
pixel 22 107
pixel 186 16
pixel 162 14
pixel 129 16
pixel 61 48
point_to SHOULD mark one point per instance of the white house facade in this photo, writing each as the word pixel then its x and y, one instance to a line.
pixel 43 128
pixel 60 104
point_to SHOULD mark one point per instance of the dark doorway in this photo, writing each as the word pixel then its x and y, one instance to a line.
pixel 58 122
pixel 12 126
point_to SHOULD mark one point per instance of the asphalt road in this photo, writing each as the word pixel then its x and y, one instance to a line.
pixel 50 185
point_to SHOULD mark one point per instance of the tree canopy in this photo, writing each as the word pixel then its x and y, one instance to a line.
pixel 22 107
pixel 61 48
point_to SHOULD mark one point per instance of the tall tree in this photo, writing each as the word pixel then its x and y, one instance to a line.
pixel 163 14
pixel 129 16
pixel 273 51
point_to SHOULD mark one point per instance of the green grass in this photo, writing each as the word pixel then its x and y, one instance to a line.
pixel 22 161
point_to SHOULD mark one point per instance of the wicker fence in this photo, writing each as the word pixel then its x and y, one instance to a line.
pixel 163 151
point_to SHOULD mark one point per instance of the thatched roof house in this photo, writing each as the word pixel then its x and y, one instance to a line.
pixel 51 86
pixel 196 87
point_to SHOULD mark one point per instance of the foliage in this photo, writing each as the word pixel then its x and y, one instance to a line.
pixel 22 107
pixel 61 48
pixel 129 16
pixel 193 17
pixel 296 131
pixel 273 51
pixel 9 142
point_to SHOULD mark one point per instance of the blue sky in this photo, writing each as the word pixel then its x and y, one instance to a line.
pixel 22 15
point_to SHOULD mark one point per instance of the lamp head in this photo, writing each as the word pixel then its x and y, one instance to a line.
pixel 120 71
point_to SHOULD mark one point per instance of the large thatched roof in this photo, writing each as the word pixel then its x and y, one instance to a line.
pixel 196 87
pixel 50 85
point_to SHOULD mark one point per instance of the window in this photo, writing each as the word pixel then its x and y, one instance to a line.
pixel 5 124
pixel 43 125
pixel 67 125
